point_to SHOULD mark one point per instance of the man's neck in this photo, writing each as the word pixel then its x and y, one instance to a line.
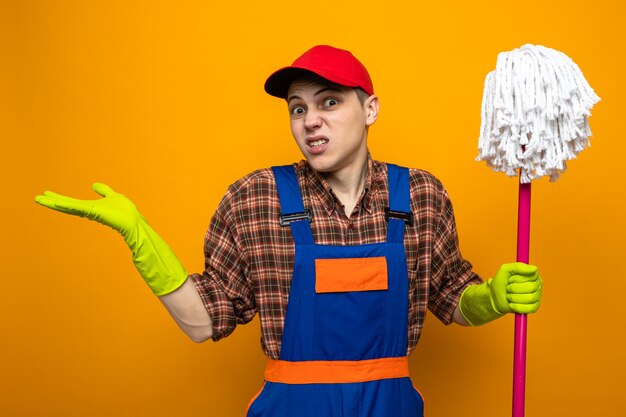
pixel 348 184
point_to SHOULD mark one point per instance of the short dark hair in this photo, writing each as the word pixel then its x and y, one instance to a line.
pixel 361 94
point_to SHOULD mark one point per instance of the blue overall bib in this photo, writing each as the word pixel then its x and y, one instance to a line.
pixel 344 344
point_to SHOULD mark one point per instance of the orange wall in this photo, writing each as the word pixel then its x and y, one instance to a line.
pixel 164 102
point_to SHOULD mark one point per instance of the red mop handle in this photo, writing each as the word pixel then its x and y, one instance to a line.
pixel 519 358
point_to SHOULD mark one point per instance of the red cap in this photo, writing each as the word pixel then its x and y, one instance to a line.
pixel 335 65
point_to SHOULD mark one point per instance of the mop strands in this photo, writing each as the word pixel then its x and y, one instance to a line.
pixel 535 110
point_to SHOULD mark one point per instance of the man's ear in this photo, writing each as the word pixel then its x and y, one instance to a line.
pixel 371 107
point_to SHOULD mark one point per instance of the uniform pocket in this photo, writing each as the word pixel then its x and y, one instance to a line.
pixel 420 401
pixel 253 399
pixel 351 274
pixel 269 401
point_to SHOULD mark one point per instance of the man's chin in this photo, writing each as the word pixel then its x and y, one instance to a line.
pixel 323 167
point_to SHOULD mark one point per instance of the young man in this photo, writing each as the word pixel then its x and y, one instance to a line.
pixel 340 255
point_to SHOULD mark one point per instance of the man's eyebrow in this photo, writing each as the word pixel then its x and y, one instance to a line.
pixel 318 92
pixel 291 98
pixel 329 88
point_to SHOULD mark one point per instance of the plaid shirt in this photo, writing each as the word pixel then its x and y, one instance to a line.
pixel 250 257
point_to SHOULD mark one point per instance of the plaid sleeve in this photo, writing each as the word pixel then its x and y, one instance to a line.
pixel 451 274
pixel 223 286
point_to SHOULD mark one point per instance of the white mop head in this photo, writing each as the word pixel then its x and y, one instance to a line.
pixel 537 98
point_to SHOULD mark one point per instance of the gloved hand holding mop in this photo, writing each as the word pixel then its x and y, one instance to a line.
pixel 515 288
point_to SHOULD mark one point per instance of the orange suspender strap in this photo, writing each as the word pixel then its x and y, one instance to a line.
pixel 330 372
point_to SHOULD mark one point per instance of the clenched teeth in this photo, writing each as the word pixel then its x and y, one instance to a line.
pixel 318 142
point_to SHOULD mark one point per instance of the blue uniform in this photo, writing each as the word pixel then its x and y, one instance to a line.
pixel 344 345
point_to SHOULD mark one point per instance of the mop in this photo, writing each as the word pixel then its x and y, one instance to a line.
pixel 535 111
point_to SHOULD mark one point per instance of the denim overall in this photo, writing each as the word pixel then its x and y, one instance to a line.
pixel 344 344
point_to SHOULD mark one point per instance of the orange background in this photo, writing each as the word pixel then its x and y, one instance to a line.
pixel 164 102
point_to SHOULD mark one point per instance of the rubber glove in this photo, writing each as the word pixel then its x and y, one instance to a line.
pixel 516 288
pixel 152 257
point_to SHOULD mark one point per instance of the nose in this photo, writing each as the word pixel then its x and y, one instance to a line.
pixel 312 119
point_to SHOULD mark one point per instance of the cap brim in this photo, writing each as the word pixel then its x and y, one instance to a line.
pixel 278 83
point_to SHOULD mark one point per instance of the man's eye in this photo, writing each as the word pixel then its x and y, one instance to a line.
pixel 297 110
pixel 330 102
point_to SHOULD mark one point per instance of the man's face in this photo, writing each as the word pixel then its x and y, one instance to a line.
pixel 329 124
